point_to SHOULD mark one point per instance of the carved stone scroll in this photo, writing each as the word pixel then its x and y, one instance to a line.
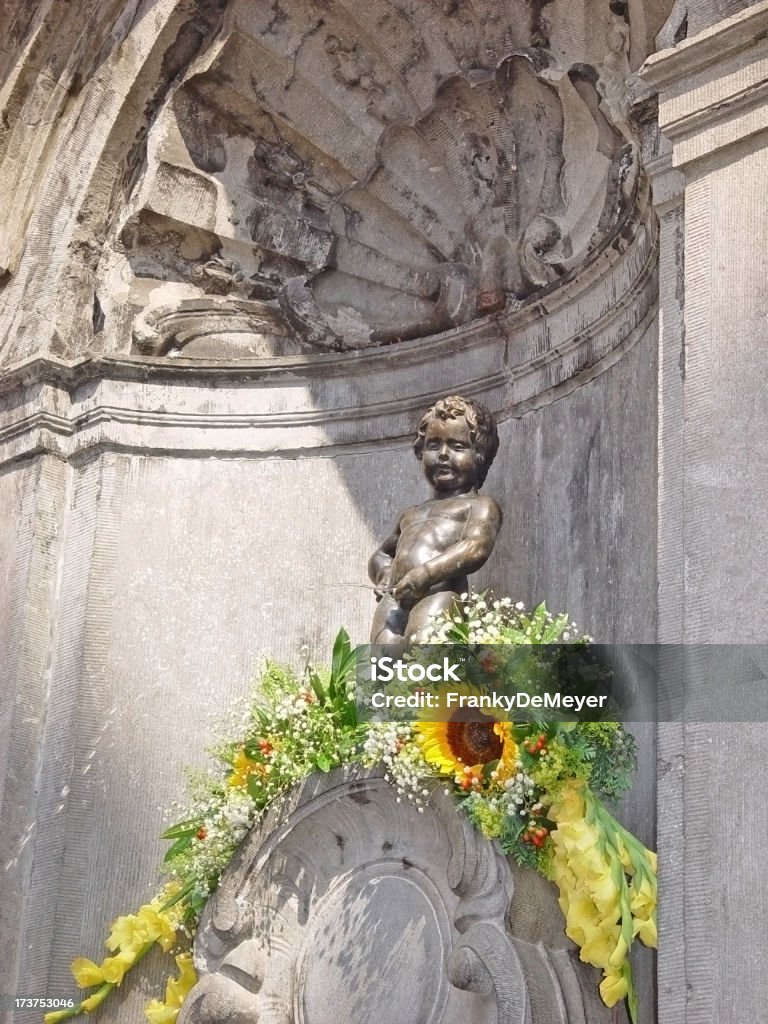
pixel 345 905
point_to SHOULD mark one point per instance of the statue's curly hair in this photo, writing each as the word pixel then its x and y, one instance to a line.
pixel 482 429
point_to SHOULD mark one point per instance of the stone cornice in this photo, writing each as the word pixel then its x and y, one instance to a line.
pixel 673 66
pixel 713 88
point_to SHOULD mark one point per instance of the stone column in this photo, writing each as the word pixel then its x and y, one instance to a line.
pixel 712 196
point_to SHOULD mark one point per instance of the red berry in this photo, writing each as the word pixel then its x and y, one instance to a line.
pixel 201 833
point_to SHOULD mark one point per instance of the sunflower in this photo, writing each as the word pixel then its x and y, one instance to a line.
pixel 461 747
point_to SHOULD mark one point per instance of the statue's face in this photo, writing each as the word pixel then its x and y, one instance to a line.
pixel 449 458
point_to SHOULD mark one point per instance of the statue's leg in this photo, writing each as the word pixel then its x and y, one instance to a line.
pixel 389 621
pixel 426 609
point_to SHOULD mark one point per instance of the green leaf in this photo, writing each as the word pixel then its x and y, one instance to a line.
pixel 178 847
pixel 343 662
pixel 255 790
pixel 341 649
pixel 196 902
pixel 317 686
pixel 490 767
pixel 323 762
pixel 631 993
pixel 182 829
pixel 259 714
pixel 349 716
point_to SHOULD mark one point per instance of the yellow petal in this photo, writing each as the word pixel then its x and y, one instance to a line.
pixel 177 988
pixel 642 899
pixel 570 806
pixel 613 987
pixel 603 891
pixel 157 927
pixel 91 1002
pixel 599 946
pixel 158 1013
pixel 86 972
pixel 127 932
pixel 114 967
pixel 619 955
pixel 646 931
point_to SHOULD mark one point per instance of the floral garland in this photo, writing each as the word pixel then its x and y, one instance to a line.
pixel 538 788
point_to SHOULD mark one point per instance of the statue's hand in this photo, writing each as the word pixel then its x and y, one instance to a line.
pixel 383 583
pixel 412 587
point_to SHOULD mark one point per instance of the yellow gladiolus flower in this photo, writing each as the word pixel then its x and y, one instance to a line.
pixel 642 899
pixel 619 955
pixel 178 988
pixel 114 967
pixel 603 891
pixel 176 991
pixel 613 987
pixel 643 907
pixel 582 918
pixel 91 1002
pixel 56 1016
pixel 646 931
pixel 158 1013
pixel 157 927
pixel 570 806
pixel 599 945
pixel 86 973
pixel 126 932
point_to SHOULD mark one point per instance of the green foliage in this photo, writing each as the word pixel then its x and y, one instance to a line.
pixel 614 766
pixel 295 725
pixel 564 762
pixel 487 818
pixel 523 854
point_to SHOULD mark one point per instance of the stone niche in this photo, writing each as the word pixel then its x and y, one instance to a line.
pixel 346 904
pixel 308 189
pixel 266 180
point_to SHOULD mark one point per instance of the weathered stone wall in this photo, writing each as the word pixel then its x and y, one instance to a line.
pixel 164 581
pixel 228 290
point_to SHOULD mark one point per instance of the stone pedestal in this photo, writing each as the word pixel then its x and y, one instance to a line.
pixel 345 904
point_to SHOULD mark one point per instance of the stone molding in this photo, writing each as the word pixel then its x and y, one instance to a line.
pixel 344 904
pixel 284 405
pixel 713 88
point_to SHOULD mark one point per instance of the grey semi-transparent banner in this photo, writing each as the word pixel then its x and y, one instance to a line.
pixel 563 682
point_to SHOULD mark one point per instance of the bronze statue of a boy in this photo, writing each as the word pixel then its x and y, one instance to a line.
pixel 423 565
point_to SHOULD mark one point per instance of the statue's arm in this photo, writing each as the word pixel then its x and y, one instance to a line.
pixel 472 551
pixel 460 559
pixel 380 561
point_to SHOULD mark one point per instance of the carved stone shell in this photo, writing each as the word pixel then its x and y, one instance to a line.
pixel 372 176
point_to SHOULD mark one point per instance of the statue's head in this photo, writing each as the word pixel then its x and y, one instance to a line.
pixel 480 427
